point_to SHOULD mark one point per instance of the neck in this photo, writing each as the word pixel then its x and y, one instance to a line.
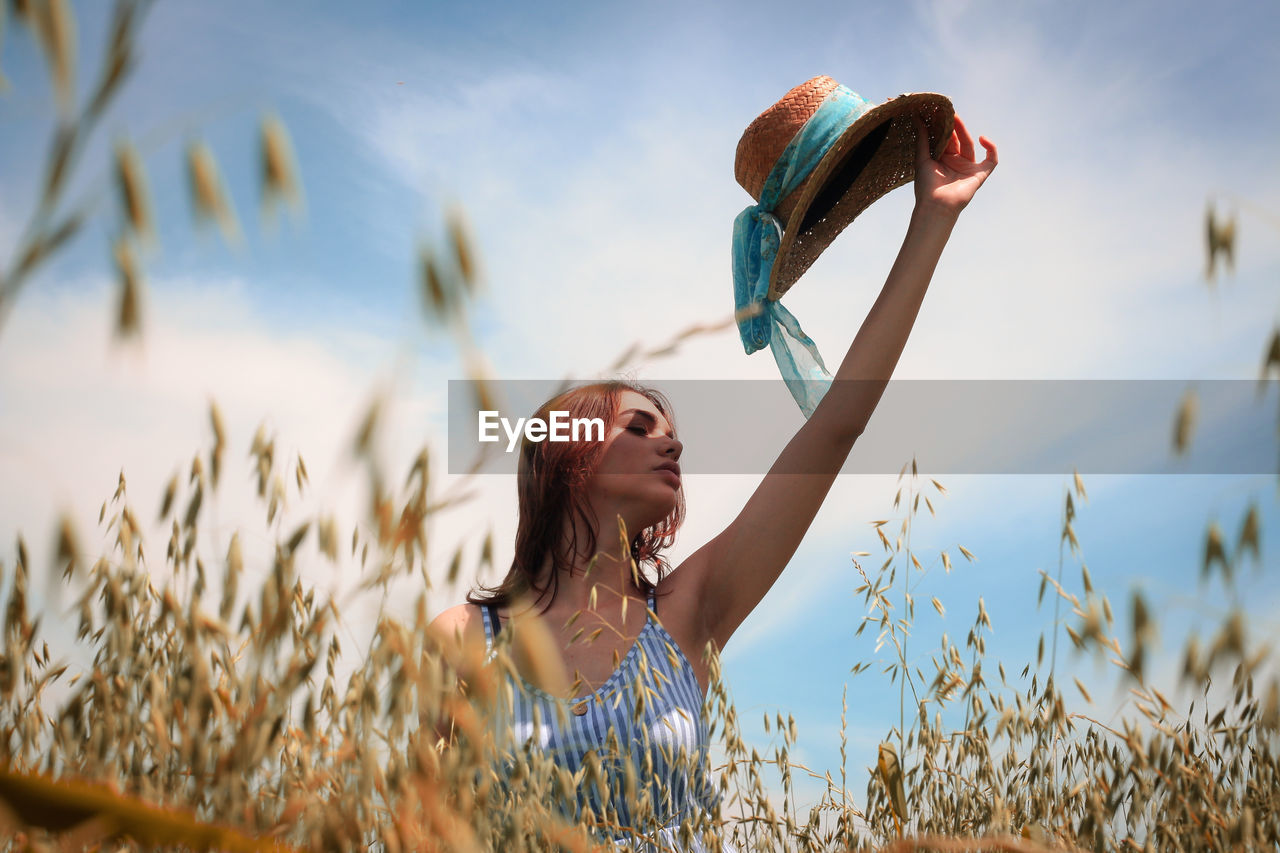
pixel 606 569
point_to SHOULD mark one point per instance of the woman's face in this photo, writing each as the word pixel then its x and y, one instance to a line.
pixel 639 472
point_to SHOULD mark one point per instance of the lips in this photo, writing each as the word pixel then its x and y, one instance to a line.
pixel 669 466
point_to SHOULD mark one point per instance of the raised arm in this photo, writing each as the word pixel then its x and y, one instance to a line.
pixel 732 572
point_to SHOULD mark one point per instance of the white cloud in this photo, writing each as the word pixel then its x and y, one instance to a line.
pixel 1079 259
pixel 625 237
pixel 76 409
pixel 1071 263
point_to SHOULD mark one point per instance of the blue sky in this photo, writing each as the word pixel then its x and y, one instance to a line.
pixel 591 147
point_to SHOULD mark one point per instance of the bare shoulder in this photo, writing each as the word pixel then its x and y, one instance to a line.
pixel 680 602
pixel 458 627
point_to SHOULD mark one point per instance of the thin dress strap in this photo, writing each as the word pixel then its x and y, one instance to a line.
pixel 492 625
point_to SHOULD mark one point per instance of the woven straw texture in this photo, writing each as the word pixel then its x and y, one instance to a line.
pixel 765 139
pixel 889 163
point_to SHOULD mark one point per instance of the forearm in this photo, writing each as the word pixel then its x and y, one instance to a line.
pixel 875 350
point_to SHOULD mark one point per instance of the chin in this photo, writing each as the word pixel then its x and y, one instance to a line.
pixel 661 511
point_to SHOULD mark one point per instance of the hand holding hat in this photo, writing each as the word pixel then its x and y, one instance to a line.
pixel 814 161
pixel 950 180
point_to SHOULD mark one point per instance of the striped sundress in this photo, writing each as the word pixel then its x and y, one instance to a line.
pixel 641 737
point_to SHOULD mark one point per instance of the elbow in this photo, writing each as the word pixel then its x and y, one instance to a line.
pixel 850 434
pixel 827 451
pixel 838 433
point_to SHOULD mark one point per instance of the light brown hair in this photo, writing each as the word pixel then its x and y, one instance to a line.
pixel 551 482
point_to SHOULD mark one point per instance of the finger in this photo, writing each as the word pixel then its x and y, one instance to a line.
pixel 992 157
pixel 953 146
pixel 966 140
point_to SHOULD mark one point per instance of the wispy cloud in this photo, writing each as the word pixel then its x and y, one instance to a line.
pixel 601 194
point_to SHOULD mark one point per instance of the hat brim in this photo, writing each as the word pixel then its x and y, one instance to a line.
pixel 849 178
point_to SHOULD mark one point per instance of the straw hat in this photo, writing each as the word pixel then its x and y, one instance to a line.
pixel 874 155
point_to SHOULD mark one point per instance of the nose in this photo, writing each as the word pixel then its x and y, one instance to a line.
pixel 673 449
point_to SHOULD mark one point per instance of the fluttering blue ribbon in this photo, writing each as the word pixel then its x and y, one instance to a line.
pixel 757 233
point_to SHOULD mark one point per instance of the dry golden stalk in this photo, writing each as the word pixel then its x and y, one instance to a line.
pixel 1184 424
pixel 1220 241
pixel 128 321
pixel 69 552
pixel 56 26
pixel 278 166
pixel 208 195
pixel 59 805
pixel 438 299
pixel 131 183
pixel 463 254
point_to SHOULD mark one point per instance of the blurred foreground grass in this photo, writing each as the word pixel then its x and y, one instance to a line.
pixel 218 714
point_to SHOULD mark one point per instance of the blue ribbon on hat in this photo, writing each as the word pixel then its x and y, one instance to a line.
pixel 757 234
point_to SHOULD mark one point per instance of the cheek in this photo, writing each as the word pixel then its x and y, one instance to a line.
pixel 615 483
pixel 619 457
pixel 610 477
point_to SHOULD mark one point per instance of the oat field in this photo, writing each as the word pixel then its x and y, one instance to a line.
pixel 206 701
pixel 218 721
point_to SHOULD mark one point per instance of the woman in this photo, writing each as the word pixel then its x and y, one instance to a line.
pixel 641 680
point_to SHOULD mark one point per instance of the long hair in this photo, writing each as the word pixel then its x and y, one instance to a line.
pixel 551 482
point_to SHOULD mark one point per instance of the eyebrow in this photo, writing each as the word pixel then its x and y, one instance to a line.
pixel 648 416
